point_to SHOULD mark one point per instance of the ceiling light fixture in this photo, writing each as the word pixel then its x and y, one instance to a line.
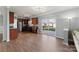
pixel 39 8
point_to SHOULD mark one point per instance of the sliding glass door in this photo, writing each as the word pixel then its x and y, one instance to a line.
pixel 49 24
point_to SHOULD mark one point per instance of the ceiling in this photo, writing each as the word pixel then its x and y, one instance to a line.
pixel 26 11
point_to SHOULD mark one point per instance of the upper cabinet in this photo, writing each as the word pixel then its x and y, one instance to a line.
pixel 11 17
pixel 34 21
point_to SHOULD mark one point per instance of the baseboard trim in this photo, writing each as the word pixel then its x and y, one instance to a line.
pixel 5 40
pixel 65 43
pixel 59 37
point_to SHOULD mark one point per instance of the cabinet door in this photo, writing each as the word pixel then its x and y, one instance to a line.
pixel 11 17
pixel 13 33
pixel 34 21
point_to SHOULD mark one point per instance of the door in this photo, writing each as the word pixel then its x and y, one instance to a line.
pixel 49 26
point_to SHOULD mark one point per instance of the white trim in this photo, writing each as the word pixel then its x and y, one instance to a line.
pixel 59 37
pixel 8 25
pixel 3 40
pixel 65 43
pixel 7 40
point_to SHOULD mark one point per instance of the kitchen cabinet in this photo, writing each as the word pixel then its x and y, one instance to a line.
pixel 34 29
pixel 34 21
pixel 13 33
pixel 11 17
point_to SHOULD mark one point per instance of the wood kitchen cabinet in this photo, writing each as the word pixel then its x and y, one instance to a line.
pixel 11 17
pixel 34 21
pixel 34 30
pixel 13 33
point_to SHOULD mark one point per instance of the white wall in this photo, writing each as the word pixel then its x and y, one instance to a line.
pixel 1 23
pixel 62 22
pixel 39 24
pixel 5 14
pixel 1 20
pixel 74 23
pixel 68 24
pixel 60 27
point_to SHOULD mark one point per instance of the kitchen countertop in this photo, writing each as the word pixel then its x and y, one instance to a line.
pixel 13 28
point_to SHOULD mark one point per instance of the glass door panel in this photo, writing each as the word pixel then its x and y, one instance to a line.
pixel 49 25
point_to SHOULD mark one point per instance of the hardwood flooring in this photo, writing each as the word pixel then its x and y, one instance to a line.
pixel 29 42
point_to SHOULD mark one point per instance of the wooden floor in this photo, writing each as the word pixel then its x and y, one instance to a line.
pixel 29 42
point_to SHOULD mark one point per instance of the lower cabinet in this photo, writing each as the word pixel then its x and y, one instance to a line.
pixel 13 33
pixel 34 29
